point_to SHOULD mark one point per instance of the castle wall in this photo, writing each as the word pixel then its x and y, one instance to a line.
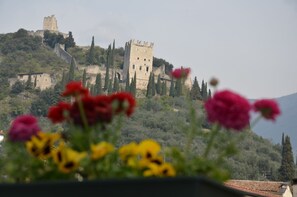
pixel 138 59
pixel 93 70
pixel 64 55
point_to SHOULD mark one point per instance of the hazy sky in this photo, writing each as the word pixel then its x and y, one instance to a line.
pixel 249 45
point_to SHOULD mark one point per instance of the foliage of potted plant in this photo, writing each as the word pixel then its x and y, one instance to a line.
pixel 85 156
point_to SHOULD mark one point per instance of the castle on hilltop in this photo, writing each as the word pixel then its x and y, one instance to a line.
pixel 138 61
pixel 50 23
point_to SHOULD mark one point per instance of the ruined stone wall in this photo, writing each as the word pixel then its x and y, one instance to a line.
pixel 43 80
pixel 138 59
pixel 50 23
pixel 93 70
pixel 64 55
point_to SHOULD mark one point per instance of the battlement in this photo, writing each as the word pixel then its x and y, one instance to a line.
pixel 141 43
pixel 50 23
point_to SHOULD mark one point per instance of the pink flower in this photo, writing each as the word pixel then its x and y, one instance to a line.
pixel 268 108
pixel 23 127
pixel 180 73
pixel 75 88
pixel 228 109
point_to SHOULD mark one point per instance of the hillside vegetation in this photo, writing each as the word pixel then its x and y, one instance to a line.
pixel 162 117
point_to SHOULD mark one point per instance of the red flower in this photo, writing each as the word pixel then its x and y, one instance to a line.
pixel 228 109
pixel 75 88
pixel 88 104
pixel 23 127
pixel 180 73
pixel 123 102
pixel 103 108
pixel 57 113
pixel 268 108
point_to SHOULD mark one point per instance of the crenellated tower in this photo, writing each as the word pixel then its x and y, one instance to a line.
pixel 50 23
pixel 138 59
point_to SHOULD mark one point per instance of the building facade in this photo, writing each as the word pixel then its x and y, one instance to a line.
pixel 40 80
pixel 138 60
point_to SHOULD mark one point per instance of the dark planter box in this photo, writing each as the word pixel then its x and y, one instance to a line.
pixel 156 187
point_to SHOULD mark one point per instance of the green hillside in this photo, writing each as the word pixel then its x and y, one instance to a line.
pixel 22 53
pixel 162 118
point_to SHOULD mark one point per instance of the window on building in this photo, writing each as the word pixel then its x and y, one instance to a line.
pixel 147 69
pixel 137 58
pixel 144 59
pixel 133 66
pixel 140 67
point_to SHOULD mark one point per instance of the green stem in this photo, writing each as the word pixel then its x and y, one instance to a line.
pixel 213 134
pixel 118 129
pixel 192 130
pixel 255 121
pixel 82 114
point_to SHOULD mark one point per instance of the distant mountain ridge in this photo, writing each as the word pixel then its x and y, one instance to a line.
pixel 286 123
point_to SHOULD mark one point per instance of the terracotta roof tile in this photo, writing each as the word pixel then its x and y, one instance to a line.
pixel 264 188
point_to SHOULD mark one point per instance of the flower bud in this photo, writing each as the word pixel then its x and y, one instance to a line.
pixel 214 82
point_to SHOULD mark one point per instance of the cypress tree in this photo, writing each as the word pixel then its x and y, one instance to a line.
pixel 159 85
pixel 106 80
pixel 172 89
pixel 283 139
pixel 204 92
pixel 209 94
pixel 84 78
pixel 287 168
pixel 93 90
pixel 133 86
pixel 202 89
pixel 91 53
pixel 71 70
pixel 109 90
pixel 64 79
pixel 35 82
pixel 178 87
pixel 149 90
pixel 109 56
pixel 112 53
pixel 69 41
pixel 195 91
pixel 127 87
pixel 29 83
pixel 164 89
pixel 116 84
pixel 153 85
pixel 98 85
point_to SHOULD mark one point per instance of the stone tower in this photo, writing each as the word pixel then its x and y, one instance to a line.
pixel 138 59
pixel 50 23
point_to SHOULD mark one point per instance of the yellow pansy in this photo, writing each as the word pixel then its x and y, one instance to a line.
pixel 128 151
pixel 149 149
pixel 68 159
pixel 100 150
pixel 145 162
pixel 41 145
pixel 152 170
pixel 58 152
pixel 166 169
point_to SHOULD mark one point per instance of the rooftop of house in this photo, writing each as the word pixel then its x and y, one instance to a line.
pixel 260 188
